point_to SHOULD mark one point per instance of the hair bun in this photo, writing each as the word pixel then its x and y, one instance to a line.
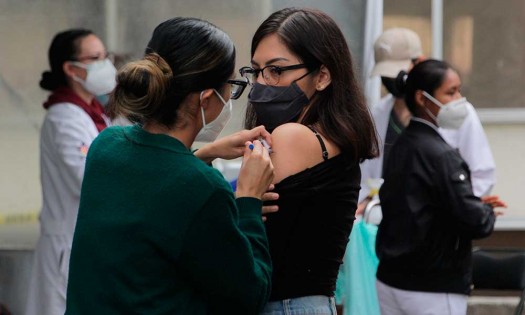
pixel 49 81
pixel 141 86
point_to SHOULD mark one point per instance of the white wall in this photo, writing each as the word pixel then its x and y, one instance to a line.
pixel 508 147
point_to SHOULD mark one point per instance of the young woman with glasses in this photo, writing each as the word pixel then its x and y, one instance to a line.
pixel 304 90
pixel 79 71
pixel 159 231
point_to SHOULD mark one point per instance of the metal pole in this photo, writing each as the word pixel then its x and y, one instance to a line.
pixel 111 16
pixel 437 29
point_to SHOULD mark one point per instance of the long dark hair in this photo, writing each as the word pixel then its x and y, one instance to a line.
pixel 427 76
pixel 65 46
pixel 184 55
pixel 339 110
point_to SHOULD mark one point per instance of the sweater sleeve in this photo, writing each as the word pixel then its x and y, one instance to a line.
pixel 474 218
pixel 226 254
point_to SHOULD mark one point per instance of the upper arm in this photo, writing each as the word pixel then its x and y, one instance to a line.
pixel 296 148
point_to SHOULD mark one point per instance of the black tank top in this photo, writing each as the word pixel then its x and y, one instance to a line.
pixel 309 233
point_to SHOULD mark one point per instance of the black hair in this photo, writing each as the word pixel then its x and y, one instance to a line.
pixel 65 46
pixel 427 76
pixel 340 110
pixel 396 86
pixel 184 55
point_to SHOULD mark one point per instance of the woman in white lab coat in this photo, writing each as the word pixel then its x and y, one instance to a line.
pixel 80 70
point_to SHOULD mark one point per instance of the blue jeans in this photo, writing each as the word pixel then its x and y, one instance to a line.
pixel 306 305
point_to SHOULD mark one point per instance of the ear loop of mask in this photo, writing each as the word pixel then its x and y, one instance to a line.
pixel 435 102
pixel 79 65
pixel 202 111
pixel 220 97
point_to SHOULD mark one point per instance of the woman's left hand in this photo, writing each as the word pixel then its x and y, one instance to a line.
pixel 495 203
pixel 232 146
pixel 269 195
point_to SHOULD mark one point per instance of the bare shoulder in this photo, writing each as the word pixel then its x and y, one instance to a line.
pixel 295 148
pixel 290 133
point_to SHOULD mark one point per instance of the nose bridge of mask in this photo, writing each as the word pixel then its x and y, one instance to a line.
pixel 269 93
pixel 457 101
pixel 93 65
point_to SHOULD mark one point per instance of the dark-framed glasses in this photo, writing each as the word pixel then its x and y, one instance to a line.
pixel 271 74
pixel 237 87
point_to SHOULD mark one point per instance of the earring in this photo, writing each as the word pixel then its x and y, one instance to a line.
pixel 320 88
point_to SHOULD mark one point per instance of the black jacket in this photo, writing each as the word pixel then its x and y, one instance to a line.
pixel 430 215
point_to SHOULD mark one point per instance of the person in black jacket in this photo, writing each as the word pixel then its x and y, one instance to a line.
pixel 430 214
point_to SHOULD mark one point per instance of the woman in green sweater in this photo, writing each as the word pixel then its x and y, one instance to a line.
pixel 159 231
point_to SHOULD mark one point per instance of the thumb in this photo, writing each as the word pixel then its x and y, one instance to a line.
pixel 248 147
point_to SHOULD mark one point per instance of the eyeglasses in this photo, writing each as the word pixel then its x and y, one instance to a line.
pixel 96 57
pixel 270 74
pixel 237 87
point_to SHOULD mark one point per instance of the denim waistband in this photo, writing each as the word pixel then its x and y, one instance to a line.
pixel 305 305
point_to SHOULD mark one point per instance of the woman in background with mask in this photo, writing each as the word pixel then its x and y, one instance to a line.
pixel 80 70
pixel 305 91
pixel 430 214
pixel 158 230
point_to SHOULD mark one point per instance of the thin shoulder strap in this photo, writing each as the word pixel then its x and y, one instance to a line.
pixel 323 147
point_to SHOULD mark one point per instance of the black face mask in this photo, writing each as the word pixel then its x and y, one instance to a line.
pixel 395 86
pixel 277 105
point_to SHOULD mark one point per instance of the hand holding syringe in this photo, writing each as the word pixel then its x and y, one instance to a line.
pixel 264 143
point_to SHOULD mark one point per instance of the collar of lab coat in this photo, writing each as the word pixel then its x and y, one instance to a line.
pixel 65 94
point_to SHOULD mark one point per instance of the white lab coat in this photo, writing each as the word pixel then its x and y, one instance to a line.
pixel 66 134
pixel 470 139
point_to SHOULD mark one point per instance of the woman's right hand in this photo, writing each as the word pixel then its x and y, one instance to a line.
pixel 256 172
pixel 232 146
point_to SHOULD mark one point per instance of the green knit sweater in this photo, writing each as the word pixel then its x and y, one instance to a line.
pixel 160 232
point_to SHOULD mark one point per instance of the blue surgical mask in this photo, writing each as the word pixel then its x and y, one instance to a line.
pixel 103 99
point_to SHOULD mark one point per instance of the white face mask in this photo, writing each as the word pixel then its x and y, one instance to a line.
pixel 451 115
pixel 210 131
pixel 101 77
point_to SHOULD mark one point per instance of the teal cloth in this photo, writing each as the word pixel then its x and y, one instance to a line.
pixel 356 283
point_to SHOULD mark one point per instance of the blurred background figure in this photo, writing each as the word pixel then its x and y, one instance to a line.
pixel 430 212
pixel 397 50
pixel 79 71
